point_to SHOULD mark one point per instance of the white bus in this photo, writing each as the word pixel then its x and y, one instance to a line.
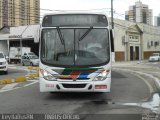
pixel 75 53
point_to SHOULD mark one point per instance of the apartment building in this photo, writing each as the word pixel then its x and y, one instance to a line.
pixel 19 12
pixel 157 20
pixel 139 13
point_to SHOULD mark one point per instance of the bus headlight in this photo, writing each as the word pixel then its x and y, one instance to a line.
pixel 102 76
pixel 47 76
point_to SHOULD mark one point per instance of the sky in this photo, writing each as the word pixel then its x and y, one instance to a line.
pixel 119 6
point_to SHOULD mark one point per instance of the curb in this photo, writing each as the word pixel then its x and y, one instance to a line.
pixel 155 79
pixel 33 73
pixel 5 81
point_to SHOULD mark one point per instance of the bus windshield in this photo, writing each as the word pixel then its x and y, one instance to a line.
pixel 75 47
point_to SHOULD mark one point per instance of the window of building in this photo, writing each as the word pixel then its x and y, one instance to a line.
pixel 136 37
pixel 156 43
pixel 130 36
pixel 151 43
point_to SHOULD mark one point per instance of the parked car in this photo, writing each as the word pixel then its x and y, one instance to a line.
pixel 32 60
pixel 3 63
pixel 154 57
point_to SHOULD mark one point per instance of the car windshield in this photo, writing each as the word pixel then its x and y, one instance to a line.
pixel 33 57
pixel 1 55
pixel 75 47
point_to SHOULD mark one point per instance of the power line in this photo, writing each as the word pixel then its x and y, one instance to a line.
pixel 51 10
pixel 44 9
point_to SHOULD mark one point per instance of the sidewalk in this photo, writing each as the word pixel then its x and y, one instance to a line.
pixel 138 64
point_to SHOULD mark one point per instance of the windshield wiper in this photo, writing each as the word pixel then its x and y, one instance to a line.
pixel 60 35
pixel 85 34
pixel 61 38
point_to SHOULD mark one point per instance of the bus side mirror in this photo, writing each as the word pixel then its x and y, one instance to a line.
pixel 112 39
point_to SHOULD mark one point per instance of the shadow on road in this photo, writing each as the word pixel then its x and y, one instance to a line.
pixel 77 96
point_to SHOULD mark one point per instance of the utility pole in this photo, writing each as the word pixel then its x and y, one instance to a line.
pixel 112 23
pixel 112 33
pixel 21 45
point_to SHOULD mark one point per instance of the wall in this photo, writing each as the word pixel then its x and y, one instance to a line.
pixel 119 56
pixel 4 46
pixel 123 29
pixel 151 40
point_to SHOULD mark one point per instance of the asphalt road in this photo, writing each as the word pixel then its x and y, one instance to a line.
pixel 13 72
pixel 126 88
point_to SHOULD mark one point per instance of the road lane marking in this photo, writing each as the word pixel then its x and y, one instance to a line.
pixel 156 80
pixel 1 91
pixel 151 89
pixel 30 83
pixel 9 86
pixel 14 88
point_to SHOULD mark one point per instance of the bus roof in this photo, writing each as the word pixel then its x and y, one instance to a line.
pixel 75 12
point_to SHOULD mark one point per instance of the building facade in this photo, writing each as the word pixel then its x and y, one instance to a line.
pixel 157 20
pixel 135 41
pixel 132 41
pixel 139 13
pixel 27 36
pixel 19 12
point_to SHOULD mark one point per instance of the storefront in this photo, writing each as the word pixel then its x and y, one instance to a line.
pixel 22 36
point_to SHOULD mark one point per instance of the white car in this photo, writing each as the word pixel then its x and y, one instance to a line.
pixel 32 60
pixel 154 57
pixel 3 63
pixel 29 53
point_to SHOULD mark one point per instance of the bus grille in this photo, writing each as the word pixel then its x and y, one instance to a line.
pixel 74 85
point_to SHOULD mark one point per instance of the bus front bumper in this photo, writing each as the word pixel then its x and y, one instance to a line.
pixel 75 86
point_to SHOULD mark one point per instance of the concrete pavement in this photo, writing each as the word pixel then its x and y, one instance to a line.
pixel 150 71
